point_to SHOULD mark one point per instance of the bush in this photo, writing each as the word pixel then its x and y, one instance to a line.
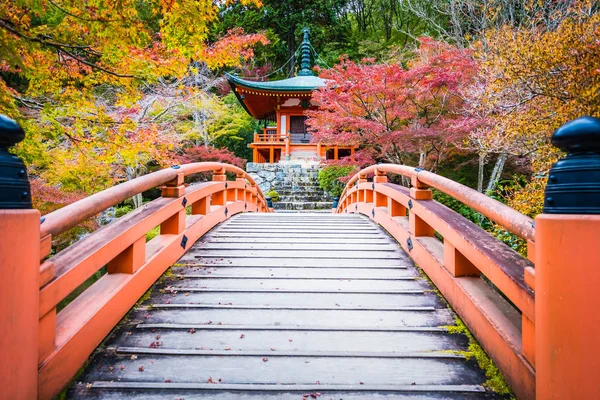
pixel 273 195
pixel 331 178
pixel 203 154
pixel 122 210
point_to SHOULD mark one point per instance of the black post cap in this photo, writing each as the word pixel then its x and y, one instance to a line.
pixel 15 191
pixel 11 133
pixel 574 181
pixel 579 135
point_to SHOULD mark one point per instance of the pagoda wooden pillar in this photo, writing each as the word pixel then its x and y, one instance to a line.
pixel 271 155
pixel 255 155
pixel 335 152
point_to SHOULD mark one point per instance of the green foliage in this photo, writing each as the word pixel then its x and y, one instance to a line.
pixel 495 381
pixel 273 195
pixel 153 233
pixel 122 210
pixel 329 178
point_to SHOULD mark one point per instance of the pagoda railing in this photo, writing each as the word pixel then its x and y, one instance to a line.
pixel 270 135
pixel 43 348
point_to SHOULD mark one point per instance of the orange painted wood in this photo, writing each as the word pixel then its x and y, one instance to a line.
pixel 78 262
pixel 175 224
pixel 512 220
pixel 201 207
pixel 130 259
pixel 567 300
pixel 498 331
pixel 46 272
pixel 45 246
pixel 19 303
pixel 84 323
pixel 176 191
pixel 470 297
pixel 503 266
pixel 528 339
pixel 47 335
pixel 456 263
pixel 418 227
pixel 421 194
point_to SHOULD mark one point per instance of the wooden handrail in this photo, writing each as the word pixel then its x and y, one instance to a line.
pixel 67 337
pixel 512 220
pixel 454 252
pixel 69 216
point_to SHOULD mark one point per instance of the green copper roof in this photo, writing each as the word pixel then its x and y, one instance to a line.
pixel 295 84
pixel 305 81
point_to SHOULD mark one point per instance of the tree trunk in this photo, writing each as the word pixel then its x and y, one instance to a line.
pixel 496 172
pixel 137 199
pixel 421 159
pixel 482 157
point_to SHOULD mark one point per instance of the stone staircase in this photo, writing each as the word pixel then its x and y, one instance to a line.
pixel 297 185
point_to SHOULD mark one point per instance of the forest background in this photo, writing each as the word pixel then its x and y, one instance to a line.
pixel 471 89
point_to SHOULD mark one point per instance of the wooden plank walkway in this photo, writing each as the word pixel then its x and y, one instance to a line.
pixel 287 306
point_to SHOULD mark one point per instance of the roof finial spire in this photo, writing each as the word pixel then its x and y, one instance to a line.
pixel 305 64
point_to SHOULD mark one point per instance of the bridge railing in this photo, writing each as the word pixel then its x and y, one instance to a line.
pixel 455 253
pixel 536 316
pixel 58 342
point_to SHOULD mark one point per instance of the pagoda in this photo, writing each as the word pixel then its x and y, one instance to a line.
pixel 282 106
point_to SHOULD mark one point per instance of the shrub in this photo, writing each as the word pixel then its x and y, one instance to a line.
pixel 331 178
pixel 203 154
pixel 273 195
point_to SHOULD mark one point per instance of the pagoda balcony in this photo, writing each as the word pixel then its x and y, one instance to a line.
pixel 270 135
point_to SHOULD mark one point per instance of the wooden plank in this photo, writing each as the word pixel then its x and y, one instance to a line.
pixel 298 272
pixel 276 290
pixel 290 328
pixel 288 254
pixel 350 247
pixel 307 285
pixel 161 351
pixel 314 299
pixel 269 307
pixel 405 341
pixel 287 370
pixel 322 318
pixel 308 240
pixel 296 388
pixel 365 264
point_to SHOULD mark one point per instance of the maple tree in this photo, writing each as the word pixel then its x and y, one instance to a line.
pixel 538 79
pixel 402 115
pixel 99 85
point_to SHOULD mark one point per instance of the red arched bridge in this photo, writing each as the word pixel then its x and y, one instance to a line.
pixel 233 301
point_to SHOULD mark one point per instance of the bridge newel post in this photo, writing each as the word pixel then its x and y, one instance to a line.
pixel 419 191
pixel 19 272
pixel 381 199
pixel 241 193
pixel 218 198
pixel 567 268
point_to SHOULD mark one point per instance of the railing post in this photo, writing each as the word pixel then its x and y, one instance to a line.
pixel 567 268
pixel 19 273
pixel 380 199
pixel 419 191
pixel 218 198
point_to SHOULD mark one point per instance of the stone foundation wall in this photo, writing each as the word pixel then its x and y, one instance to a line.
pixel 297 185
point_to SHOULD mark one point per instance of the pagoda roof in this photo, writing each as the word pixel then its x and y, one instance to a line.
pixel 262 99
pixel 295 84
